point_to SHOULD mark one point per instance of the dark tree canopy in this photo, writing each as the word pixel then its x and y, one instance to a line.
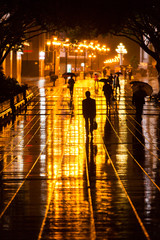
pixel 138 21
pixel 20 20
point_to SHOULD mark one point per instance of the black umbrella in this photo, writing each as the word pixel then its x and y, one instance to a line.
pixel 65 75
pixel 139 86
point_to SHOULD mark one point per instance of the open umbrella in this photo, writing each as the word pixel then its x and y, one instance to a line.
pixel 138 86
pixel 106 80
pixel 65 75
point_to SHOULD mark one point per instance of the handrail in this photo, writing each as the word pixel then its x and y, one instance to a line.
pixel 5 112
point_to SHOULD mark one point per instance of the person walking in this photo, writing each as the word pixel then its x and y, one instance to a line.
pixel 96 81
pixel 104 72
pixel 138 100
pixel 89 112
pixel 108 92
pixel 111 78
pixel 130 74
pixel 71 83
pixel 116 84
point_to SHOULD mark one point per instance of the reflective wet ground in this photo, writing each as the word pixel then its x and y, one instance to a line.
pixel 56 184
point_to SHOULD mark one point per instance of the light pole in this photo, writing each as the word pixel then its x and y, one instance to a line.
pixel 92 56
pixel 55 43
pixel 41 59
pixel 66 46
pixel 121 50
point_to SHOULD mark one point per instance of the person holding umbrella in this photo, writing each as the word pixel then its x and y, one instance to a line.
pixel 108 92
pixel 138 101
pixel 116 84
pixel 140 91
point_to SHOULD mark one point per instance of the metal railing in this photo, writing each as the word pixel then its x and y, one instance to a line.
pixel 19 101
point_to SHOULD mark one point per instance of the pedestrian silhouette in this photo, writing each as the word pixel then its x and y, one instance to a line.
pixel 89 112
pixel 71 83
pixel 104 72
pixel 96 81
pixel 111 78
pixel 138 101
pixel 107 88
pixel 52 77
pixel 130 74
pixel 116 84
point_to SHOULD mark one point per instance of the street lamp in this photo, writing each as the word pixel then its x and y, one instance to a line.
pixel 41 60
pixel 92 56
pixel 78 50
pixel 121 50
pixel 52 48
pixel 112 60
pixel 66 46
pixel 55 43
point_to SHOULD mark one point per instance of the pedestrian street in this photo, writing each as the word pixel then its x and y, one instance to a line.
pixel 58 184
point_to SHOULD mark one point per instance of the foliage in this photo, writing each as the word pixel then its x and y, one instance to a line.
pixel 8 86
pixel 137 21
pixel 20 20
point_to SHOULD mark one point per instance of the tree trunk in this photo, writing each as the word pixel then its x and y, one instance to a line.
pixel 158 70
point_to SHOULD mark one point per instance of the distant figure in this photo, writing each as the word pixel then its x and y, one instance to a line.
pixel 96 81
pixel 130 74
pixel 138 101
pixel 107 88
pixel 53 77
pixel 111 78
pixel 71 83
pixel 116 83
pixel 104 72
pixel 89 112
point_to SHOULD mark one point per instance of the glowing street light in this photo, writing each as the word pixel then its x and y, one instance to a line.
pixel 41 60
pixel 41 55
pixel 112 60
pixel 121 50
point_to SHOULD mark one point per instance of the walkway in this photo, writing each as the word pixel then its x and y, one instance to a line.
pixel 55 185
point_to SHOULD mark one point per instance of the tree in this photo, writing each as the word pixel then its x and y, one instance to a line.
pixel 138 21
pixel 142 25
pixel 20 20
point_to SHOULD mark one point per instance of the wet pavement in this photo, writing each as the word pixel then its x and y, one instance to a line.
pixel 56 184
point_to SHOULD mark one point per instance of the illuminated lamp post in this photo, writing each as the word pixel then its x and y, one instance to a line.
pixel 78 50
pixel 121 50
pixel 41 59
pixel 91 56
pixel 66 45
pixel 55 44
pixel 85 47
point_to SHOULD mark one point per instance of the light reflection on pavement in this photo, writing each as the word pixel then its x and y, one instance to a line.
pixel 56 184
